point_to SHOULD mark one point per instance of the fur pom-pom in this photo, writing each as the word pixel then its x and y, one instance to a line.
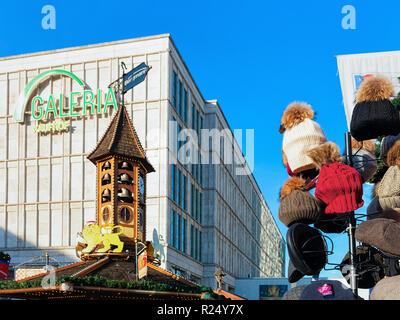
pixel 375 89
pixel 284 159
pixel 393 155
pixel 293 183
pixel 295 113
pixel 326 153
pixel 367 145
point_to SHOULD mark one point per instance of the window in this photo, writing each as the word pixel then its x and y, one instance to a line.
pixel 178 232
pixel 174 88
pixel 172 228
pixel 192 241
pixel 179 97
pixel 178 186
pixel 184 195
pixel 184 235
pixel 185 102
pixel 106 214
pixel 125 215
pixel 173 182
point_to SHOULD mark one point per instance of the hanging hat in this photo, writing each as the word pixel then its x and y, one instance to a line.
pixel 389 189
pixel 381 233
pixel 339 186
pixel 386 144
pixel 387 289
pixel 369 266
pixel 294 275
pixel 298 205
pixel 294 293
pixel 332 223
pixel 327 290
pixel 363 158
pixel 307 248
pixel 300 133
pixel 374 114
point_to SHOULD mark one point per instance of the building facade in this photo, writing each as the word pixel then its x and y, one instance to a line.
pixel 199 216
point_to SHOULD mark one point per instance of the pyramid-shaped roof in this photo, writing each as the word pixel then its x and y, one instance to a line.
pixel 121 139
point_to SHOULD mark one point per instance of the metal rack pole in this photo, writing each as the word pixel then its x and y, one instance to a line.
pixel 351 224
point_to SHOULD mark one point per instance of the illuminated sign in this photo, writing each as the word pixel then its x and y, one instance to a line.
pixel 77 103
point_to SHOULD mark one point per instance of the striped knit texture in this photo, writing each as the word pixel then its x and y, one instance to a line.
pixel 300 139
pixel 339 186
pixel 371 119
pixel 389 189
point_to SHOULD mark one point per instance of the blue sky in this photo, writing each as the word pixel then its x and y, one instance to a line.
pixel 254 57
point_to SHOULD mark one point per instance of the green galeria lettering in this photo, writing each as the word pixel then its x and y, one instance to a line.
pixel 51 107
pixel 39 106
pixel 110 93
pixel 72 104
pixel 61 107
pixel 88 102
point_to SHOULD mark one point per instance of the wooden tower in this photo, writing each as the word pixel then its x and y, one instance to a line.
pixel 121 178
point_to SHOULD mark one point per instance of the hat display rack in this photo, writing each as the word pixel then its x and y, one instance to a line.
pixel 314 162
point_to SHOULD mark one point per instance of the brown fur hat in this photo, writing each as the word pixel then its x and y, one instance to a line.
pixel 367 145
pixel 326 153
pixel 291 184
pixel 393 155
pixel 295 113
pixel 374 89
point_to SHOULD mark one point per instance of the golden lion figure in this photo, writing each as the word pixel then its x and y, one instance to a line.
pixel 93 237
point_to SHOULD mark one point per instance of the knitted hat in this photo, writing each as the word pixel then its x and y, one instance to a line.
pixel 369 266
pixel 392 157
pixel 294 293
pixel 381 233
pixel 301 133
pixel 294 275
pixel 389 189
pixel 386 143
pixel 387 289
pixel 374 114
pixel 298 205
pixel 307 248
pixel 340 187
pixel 332 223
pixel 327 290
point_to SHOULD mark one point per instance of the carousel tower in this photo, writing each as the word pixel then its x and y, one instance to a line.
pixel 121 179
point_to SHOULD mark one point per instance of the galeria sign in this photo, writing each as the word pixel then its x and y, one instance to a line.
pixel 58 105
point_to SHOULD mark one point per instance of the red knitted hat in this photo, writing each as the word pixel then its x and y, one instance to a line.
pixel 340 187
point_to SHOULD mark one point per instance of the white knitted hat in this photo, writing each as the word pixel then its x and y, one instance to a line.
pixel 300 139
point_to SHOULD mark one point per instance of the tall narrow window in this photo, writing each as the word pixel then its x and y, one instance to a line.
pixel 173 182
pixel 201 207
pixel 174 88
pixel 172 228
pixel 178 186
pixel 192 241
pixel 184 235
pixel 179 94
pixel 185 104
pixel 196 244
pixel 184 195
pixel 200 242
pixel 192 202
pixel 178 231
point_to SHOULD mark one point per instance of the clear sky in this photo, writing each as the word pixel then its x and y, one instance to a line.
pixel 254 57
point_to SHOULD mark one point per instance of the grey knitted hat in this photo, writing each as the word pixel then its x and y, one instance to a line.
pixel 381 233
pixel 300 206
pixel 389 189
pixel 365 163
pixel 387 289
pixel 294 293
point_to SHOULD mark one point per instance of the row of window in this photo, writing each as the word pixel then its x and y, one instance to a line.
pixel 179 97
pixel 179 193
pixel 178 231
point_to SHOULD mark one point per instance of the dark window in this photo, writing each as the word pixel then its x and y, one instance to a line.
pixel 125 215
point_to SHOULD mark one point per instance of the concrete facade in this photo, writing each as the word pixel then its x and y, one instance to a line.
pixel 48 186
